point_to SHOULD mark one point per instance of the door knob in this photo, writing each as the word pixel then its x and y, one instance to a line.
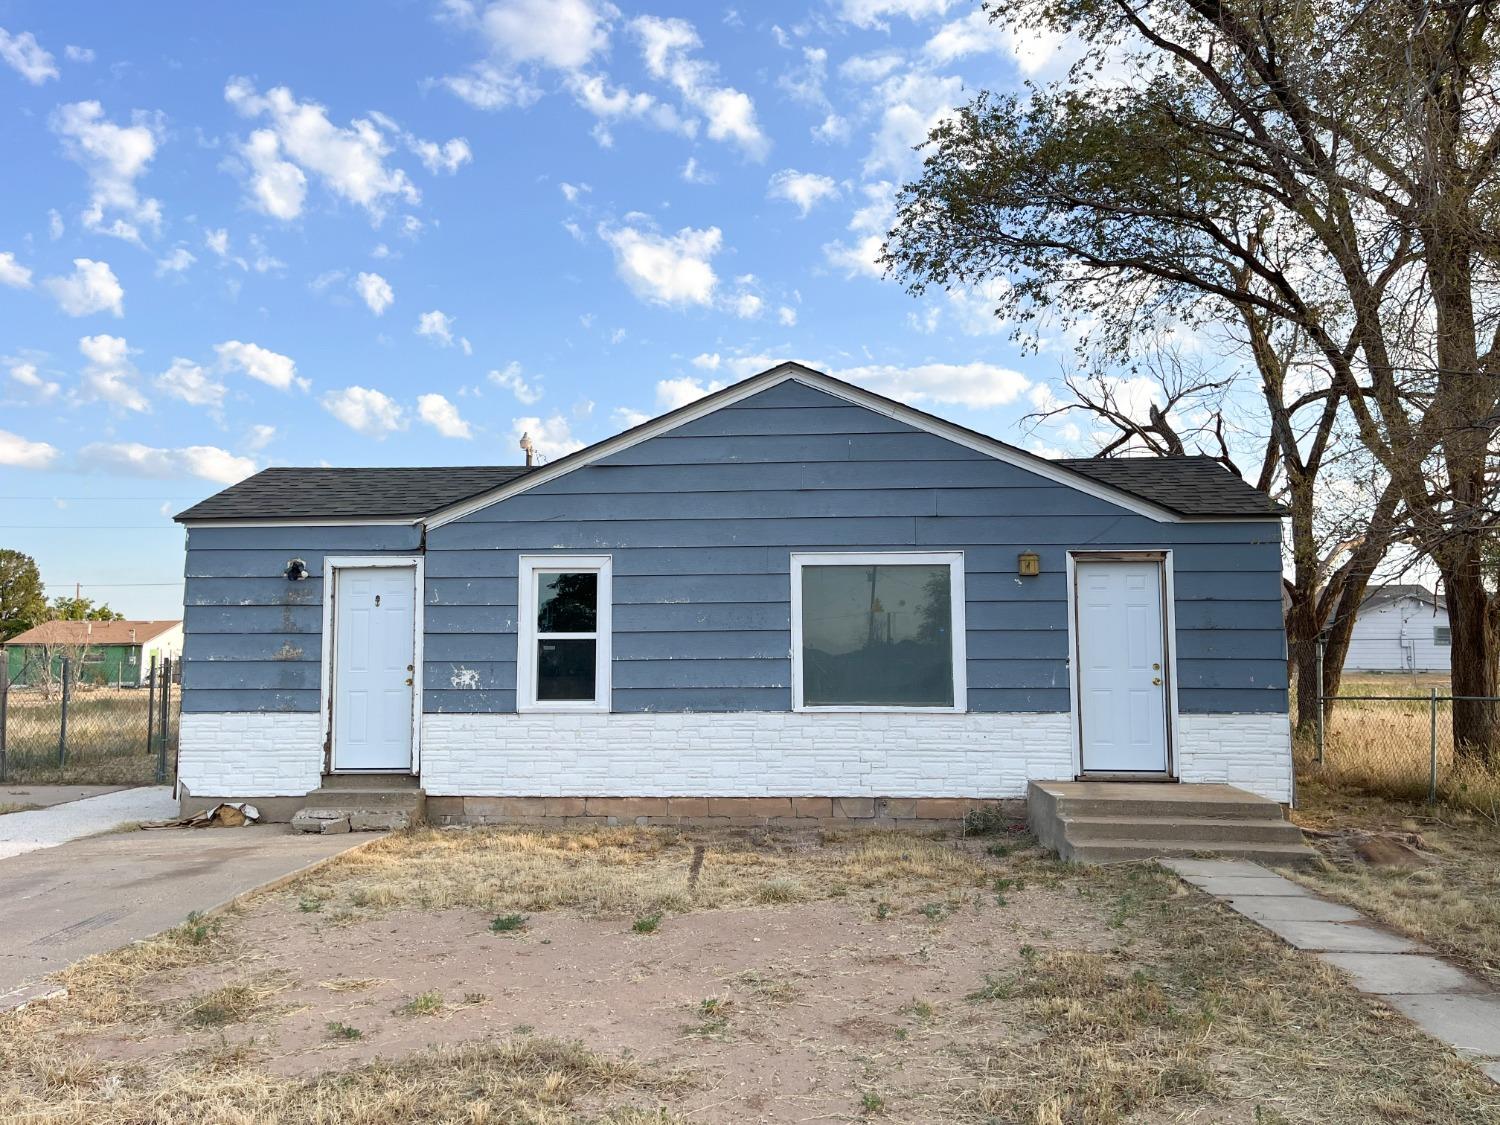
pixel 1154 679
pixel 409 679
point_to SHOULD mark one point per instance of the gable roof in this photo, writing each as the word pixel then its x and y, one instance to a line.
pixel 1398 591
pixel 93 633
pixel 1165 489
pixel 396 493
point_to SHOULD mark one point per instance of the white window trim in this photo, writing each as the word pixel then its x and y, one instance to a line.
pixel 953 560
pixel 529 566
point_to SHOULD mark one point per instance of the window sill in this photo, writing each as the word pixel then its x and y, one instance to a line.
pixel 873 710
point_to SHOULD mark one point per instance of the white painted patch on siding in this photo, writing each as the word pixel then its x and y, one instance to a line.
pixel 250 753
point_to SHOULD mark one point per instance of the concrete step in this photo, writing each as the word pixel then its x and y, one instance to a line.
pixel 1125 850
pixel 1180 829
pixel 371 798
pixel 371 781
pixel 1247 806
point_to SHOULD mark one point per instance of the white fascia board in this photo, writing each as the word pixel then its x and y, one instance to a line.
pixel 791 372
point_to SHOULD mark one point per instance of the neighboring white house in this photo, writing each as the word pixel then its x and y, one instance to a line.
pixel 1401 628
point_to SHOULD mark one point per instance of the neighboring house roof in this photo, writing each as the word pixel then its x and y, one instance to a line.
pixel 343 493
pixel 93 633
pixel 1396 591
pixel 1169 488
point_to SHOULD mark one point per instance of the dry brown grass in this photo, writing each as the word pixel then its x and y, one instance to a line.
pixel 14 806
pixel 1197 1008
pixel 1453 904
pixel 628 871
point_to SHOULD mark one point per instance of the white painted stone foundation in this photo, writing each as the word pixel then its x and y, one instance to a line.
pixel 250 753
pixel 744 754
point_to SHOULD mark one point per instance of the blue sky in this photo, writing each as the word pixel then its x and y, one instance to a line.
pixel 397 233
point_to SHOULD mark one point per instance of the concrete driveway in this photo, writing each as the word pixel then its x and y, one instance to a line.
pixel 23 832
pixel 60 904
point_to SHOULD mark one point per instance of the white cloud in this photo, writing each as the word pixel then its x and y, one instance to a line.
pixel 786 316
pixel 109 376
pixel 175 262
pixel 350 161
pixel 914 103
pixel 833 129
pixel 23 54
pixel 443 416
pixel 54 224
pixel 746 305
pixel 79 54
pixel 672 393
pixel 552 437
pixel 258 436
pixel 208 462
pixel 976 385
pixel 217 241
pixel 271 368
pixel 627 418
pixel 18 453
pixel 115 157
pixel 366 411
pixel 974 308
pixel 192 384
pixel 869 224
pixel 437 326
pixel 513 381
pixel 693 173
pixel 447 157
pixel 672 269
pixel 804 189
pixel 613 104
pixel 666 46
pixel 707 361
pixel 489 87
pixel 91 288
pixel 1032 49
pixel 13 273
pixel 874 13
pixel 375 291
pixel 565 34
pixel 26 375
pixel 571 192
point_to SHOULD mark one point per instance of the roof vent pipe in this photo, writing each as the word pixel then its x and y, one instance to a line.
pixel 529 448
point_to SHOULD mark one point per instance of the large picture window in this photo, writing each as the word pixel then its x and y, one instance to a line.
pixel 878 631
pixel 563 649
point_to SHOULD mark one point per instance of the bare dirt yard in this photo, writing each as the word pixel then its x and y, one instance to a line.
pixel 649 975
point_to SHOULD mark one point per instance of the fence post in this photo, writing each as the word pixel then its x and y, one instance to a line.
pixel 151 707
pixel 62 726
pixel 161 749
pixel 1318 726
pixel 1432 747
pixel 4 704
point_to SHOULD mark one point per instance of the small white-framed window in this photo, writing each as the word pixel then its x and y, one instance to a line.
pixel 1442 636
pixel 878 631
pixel 563 633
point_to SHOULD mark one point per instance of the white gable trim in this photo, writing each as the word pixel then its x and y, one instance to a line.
pixel 793 372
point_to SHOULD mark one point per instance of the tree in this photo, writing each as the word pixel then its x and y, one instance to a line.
pixel 1330 170
pixel 22 601
pixel 82 609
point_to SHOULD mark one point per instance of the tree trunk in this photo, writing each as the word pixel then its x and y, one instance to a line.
pixel 1476 732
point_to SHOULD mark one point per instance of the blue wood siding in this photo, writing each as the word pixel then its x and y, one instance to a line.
pixel 253 641
pixel 701 524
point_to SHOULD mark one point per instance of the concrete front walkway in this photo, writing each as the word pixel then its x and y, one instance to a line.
pixel 1444 1001
pixel 45 828
pixel 64 903
pixel 45 796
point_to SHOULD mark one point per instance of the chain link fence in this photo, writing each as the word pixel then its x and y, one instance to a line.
pixel 1376 738
pixel 72 731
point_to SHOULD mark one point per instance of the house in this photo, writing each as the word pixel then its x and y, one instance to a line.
pixel 792 597
pixel 1400 628
pixel 100 652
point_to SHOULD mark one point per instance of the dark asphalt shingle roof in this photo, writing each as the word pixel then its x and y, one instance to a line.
pixel 1395 591
pixel 1189 486
pixel 408 493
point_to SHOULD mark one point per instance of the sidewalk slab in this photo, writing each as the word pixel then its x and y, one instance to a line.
pixel 1236 886
pixel 1339 937
pixel 45 796
pixel 90 896
pixel 1292 908
pixel 1391 974
pixel 1219 868
pixel 24 832
pixel 1470 1023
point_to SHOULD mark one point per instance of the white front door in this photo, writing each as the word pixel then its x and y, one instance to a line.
pixel 374 642
pixel 1122 675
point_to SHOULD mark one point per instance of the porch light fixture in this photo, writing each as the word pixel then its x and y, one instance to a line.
pixel 1028 564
